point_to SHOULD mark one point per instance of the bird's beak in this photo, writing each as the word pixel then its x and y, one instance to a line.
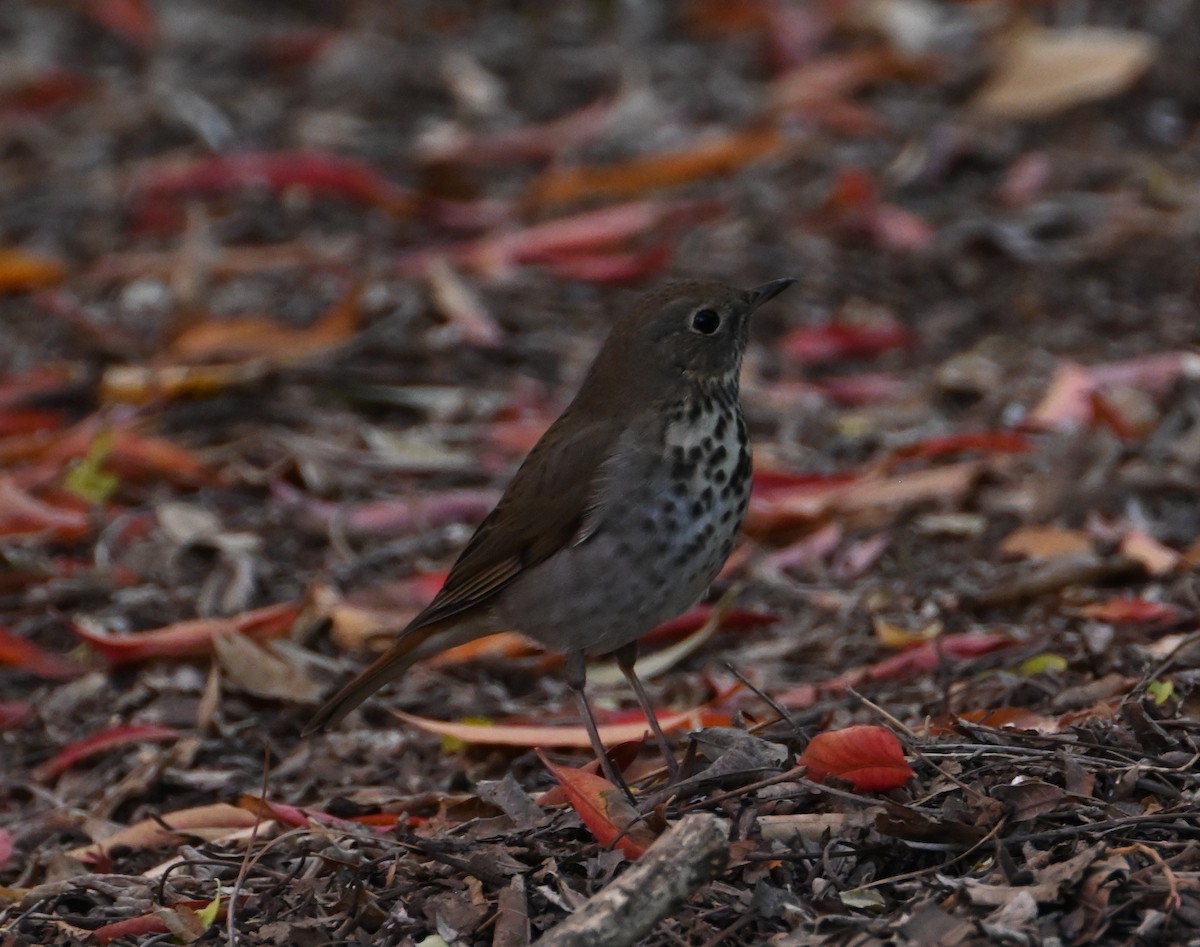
pixel 768 291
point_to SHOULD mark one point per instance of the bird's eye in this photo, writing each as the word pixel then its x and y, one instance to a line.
pixel 706 321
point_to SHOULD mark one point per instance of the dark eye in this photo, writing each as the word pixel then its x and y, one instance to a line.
pixel 706 322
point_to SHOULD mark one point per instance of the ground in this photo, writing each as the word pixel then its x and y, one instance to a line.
pixel 288 290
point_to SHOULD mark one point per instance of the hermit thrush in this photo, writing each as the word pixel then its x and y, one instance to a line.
pixel 622 513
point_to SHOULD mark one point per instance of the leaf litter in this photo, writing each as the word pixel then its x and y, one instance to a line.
pixel 273 341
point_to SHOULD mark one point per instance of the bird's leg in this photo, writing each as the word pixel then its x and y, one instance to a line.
pixel 576 679
pixel 626 657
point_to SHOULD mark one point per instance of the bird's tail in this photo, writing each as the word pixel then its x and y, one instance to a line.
pixel 412 645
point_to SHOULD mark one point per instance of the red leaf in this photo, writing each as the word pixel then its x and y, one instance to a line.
pixel 869 758
pixel 131 20
pixel 694 619
pixel 1131 610
pixel 14 712
pixel 322 174
pixel 610 267
pixel 604 810
pixel 984 442
pixel 922 658
pixel 145 924
pixel 190 639
pixel 865 388
pixel 45 91
pixel 98 743
pixel 837 341
pixel 23 654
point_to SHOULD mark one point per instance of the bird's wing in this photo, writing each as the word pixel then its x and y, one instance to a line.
pixel 547 506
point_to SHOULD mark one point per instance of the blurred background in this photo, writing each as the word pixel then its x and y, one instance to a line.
pixel 288 289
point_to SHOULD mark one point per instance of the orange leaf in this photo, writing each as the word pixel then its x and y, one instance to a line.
pixel 1045 542
pixel 604 810
pixel 137 384
pixel 20 271
pixel 189 639
pixel 503 644
pixel 100 742
pixel 131 455
pixel 249 337
pixel 869 758
pixel 1019 718
pixel 712 158
pixel 529 735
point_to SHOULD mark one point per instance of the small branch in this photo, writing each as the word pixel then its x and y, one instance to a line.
pixel 682 861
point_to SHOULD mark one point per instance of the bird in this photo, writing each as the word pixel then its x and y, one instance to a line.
pixel 620 516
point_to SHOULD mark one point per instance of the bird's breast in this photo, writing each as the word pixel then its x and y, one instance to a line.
pixel 667 509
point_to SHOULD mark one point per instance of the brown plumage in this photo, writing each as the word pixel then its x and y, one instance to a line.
pixel 621 514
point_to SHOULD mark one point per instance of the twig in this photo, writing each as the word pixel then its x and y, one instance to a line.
pixel 682 861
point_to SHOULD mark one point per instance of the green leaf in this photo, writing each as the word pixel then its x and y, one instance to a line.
pixel 1160 691
pixel 87 478
pixel 1042 663
pixel 208 914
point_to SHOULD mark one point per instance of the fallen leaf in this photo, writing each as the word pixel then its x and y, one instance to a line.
pixel 1027 799
pixel 250 338
pixel 317 172
pixel 99 743
pixel 1156 558
pixel 567 736
pixel 209 822
pixel 1122 610
pixel 604 809
pixel 187 639
pixel 892 635
pixel 1019 718
pixel 155 923
pixel 273 673
pixel 1040 72
pixel 839 341
pixel 22 654
pixel 1069 401
pixel 21 271
pixel 1045 542
pixel 133 21
pixel 870 758
pixel 713 157
pixel 983 442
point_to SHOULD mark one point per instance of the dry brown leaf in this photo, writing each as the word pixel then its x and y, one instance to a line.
pixel 264 671
pixel 206 822
pixel 1045 542
pixel 1155 558
pixel 1043 72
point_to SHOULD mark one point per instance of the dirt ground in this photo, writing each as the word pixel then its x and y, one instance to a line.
pixel 287 290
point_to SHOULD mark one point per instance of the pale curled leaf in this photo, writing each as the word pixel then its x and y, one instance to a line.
pixel 1042 72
